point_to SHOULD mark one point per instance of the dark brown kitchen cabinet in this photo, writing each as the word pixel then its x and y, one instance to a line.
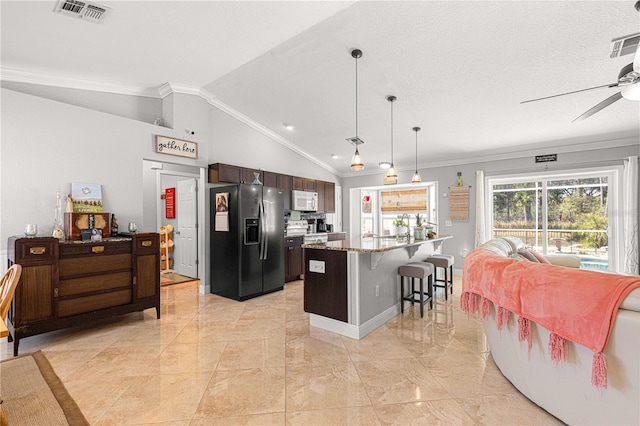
pixel 298 183
pixel 310 185
pixel 321 200
pixel 285 182
pixel 270 179
pixel 293 262
pixel 224 173
pixel 69 283
pixel 248 175
pixel 329 197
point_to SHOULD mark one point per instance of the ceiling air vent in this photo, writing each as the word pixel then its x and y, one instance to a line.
pixel 91 12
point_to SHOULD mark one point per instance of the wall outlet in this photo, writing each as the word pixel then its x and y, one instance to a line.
pixel 377 290
pixel 448 223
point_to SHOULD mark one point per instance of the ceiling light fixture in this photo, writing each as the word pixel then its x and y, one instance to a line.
pixel 288 126
pixel 384 165
pixel 391 176
pixel 356 161
pixel 416 176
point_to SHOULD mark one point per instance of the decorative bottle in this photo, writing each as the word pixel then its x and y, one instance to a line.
pixel 58 231
pixel 114 226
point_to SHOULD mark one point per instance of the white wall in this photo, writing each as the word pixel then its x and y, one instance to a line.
pixel 464 232
pixel 46 145
pixel 236 143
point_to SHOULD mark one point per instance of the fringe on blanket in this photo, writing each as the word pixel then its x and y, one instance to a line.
pixel 599 371
pixel 486 308
pixel 502 317
pixel 557 348
pixel 524 333
pixel 470 302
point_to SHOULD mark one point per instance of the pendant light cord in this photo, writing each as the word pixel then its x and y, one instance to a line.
pixel 356 103
pixel 416 150
pixel 391 132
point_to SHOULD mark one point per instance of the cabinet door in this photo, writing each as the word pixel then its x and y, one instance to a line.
pixel 298 183
pixel 227 173
pixel 248 175
pixel 270 179
pixel 329 197
pixel 310 185
pixel 146 265
pixel 285 182
pixel 321 201
pixel 297 266
pixel 33 299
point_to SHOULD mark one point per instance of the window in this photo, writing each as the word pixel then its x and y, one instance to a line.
pixel 564 213
pixel 377 214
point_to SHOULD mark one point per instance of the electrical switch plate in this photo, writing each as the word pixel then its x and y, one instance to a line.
pixel 448 223
pixel 316 266
pixel 378 290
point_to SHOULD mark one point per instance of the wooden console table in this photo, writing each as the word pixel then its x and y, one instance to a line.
pixel 77 282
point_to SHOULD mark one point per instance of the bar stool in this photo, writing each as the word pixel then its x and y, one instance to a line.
pixel 444 261
pixel 421 271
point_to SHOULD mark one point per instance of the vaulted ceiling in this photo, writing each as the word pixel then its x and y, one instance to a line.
pixel 459 69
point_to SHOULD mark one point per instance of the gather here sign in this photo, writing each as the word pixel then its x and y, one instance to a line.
pixel 179 147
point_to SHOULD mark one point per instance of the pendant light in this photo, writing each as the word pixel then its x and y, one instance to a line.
pixel 391 176
pixel 416 176
pixel 356 161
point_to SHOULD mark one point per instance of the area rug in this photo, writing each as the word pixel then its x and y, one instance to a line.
pixel 167 278
pixel 33 394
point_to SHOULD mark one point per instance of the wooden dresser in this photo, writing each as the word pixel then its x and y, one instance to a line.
pixel 76 282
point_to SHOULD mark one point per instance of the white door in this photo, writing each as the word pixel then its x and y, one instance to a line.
pixel 186 236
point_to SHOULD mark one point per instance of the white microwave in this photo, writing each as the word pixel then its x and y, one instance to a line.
pixel 304 201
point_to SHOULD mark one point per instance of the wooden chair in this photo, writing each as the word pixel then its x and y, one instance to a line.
pixel 8 288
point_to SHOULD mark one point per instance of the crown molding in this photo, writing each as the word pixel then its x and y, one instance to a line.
pixel 163 91
pixel 169 88
pixel 215 102
pixel 29 77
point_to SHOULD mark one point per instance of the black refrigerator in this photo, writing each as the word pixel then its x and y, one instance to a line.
pixel 247 240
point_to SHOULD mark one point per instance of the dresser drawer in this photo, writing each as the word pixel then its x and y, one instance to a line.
pixel 81 305
pixel 146 243
pixel 91 265
pixel 74 286
pixel 30 251
pixel 103 248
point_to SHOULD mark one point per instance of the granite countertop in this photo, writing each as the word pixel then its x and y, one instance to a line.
pixel 372 245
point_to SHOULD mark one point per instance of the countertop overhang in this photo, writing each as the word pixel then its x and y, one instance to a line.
pixel 373 245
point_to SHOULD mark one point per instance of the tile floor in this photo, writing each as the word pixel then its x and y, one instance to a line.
pixel 213 361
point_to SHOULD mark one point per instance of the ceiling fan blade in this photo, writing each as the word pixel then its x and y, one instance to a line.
pixel 602 105
pixel 569 93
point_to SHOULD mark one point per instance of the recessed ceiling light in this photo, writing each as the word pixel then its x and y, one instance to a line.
pixel 384 165
pixel 288 126
pixel 334 156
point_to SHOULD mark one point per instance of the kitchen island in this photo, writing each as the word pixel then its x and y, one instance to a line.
pixel 352 287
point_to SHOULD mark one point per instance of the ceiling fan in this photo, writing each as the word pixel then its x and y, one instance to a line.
pixel 628 78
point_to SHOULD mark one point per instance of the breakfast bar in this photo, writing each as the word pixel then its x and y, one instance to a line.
pixel 351 287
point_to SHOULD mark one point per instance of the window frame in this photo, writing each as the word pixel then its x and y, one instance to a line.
pixel 614 204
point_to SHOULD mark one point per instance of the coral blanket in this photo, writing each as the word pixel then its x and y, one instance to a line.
pixel 575 304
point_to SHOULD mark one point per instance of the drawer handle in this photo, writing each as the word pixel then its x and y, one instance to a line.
pixel 147 243
pixel 37 250
pixel 97 249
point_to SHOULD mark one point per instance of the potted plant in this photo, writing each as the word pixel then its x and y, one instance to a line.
pixel 418 230
pixel 401 226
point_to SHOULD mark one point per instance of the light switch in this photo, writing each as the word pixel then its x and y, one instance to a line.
pixel 316 266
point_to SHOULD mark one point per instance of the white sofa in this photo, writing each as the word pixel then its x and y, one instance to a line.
pixel 565 390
